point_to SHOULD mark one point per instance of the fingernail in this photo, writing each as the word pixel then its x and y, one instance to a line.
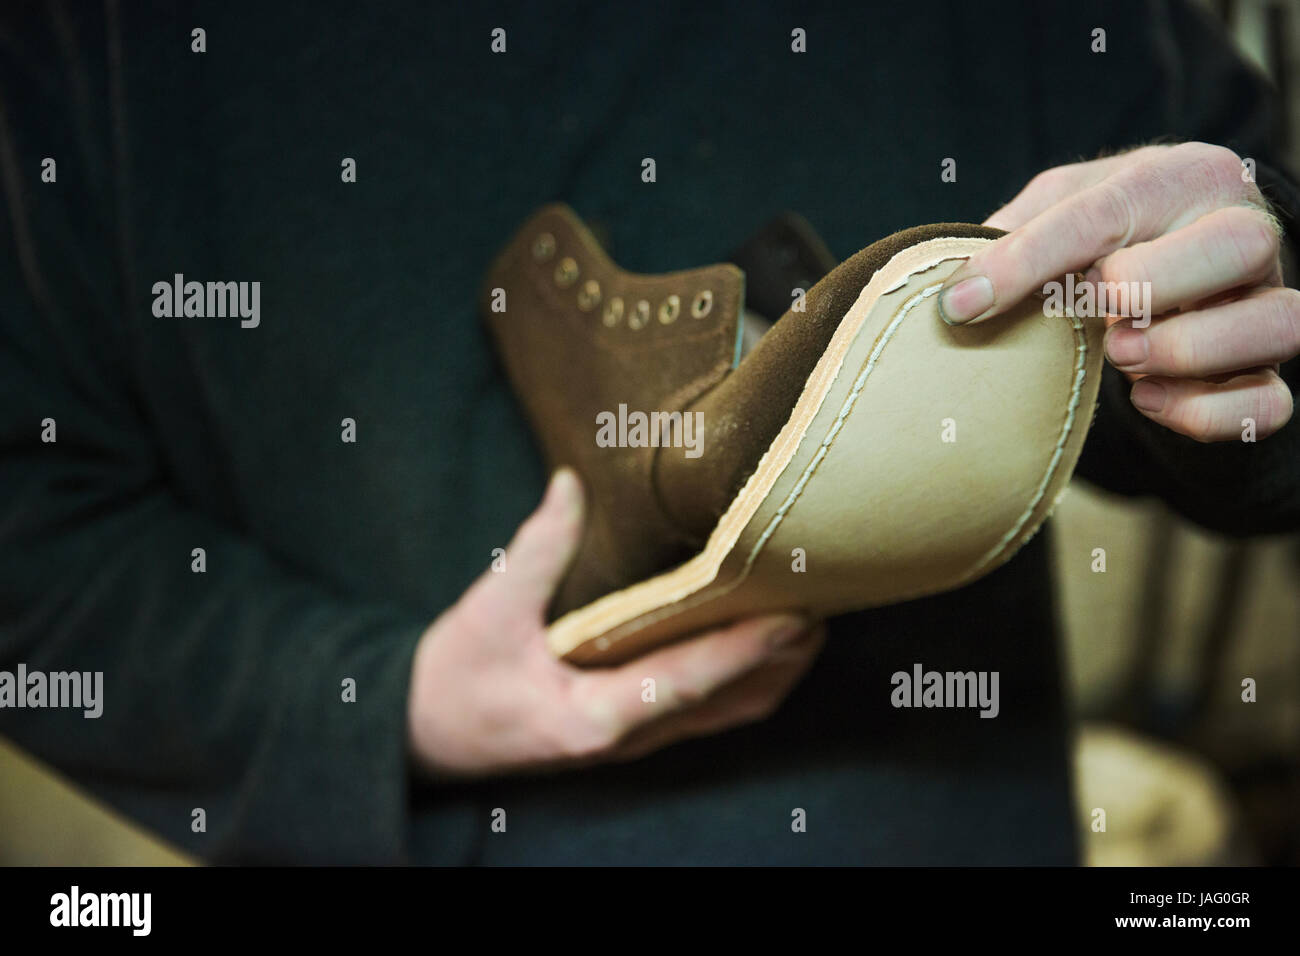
pixel 564 486
pixel 785 631
pixel 966 300
pixel 1126 346
pixel 561 480
pixel 1148 396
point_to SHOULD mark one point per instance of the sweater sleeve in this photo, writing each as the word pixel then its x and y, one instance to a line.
pixel 231 684
pixel 1236 488
pixel 223 689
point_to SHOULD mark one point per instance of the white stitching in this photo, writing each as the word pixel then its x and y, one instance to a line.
pixel 705 594
pixel 845 409
pixel 1076 391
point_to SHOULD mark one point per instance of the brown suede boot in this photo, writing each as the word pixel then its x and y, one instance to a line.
pixel 864 453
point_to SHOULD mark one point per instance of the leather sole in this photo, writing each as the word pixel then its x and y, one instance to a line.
pixel 918 458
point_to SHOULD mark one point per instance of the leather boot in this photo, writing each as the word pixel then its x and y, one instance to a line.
pixel 863 453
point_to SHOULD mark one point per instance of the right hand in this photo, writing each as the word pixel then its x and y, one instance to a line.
pixel 487 697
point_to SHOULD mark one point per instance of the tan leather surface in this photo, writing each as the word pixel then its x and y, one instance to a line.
pixel 827 441
pixel 860 478
pixel 748 408
pixel 893 511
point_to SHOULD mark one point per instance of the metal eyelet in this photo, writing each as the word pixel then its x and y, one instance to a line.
pixel 639 316
pixel 669 310
pixel 703 304
pixel 589 295
pixel 566 273
pixel 613 312
pixel 543 247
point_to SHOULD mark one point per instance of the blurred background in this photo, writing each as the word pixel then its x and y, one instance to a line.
pixel 1158 645
pixel 1157 648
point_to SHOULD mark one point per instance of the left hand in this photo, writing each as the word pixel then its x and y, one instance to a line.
pixel 1188 222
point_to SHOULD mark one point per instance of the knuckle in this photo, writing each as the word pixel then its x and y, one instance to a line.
pixel 1154 152
pixel 1182 354
pixel 1114 217
pixel 1287 305
pixel 583 736
pixel 1049 179
pixel 1214 166
pixel 1253 240
pixel 1140 161
pixel 1196 418
pixel 1282 324
pixel 592 726
pixel 1274 405
pixel 1289 302
pixel 1219 158
pixel 1145 165
pixel 584 743
pixel 672 693
pixel 1009 262
pixel 1126 265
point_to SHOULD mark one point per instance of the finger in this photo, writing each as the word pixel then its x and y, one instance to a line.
pixel 1052 185
pixel 1135 204
pixel 1219 410
pixel 684 674
pixel 753 697
pixel 540 552
pixel 1259 329
pixel 1229 248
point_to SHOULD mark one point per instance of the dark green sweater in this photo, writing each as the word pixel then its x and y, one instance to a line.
pixel 325 560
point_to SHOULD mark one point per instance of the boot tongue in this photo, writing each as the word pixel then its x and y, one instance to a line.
pixel 783 255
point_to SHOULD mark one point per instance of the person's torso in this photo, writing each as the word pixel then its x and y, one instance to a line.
pixel 367 293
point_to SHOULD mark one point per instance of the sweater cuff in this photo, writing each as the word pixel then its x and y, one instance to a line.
pixel 338 743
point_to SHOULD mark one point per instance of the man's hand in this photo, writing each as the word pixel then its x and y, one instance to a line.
pixel 487 697
pixel 1186 220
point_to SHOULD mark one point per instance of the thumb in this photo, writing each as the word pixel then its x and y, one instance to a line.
pixel 541 550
